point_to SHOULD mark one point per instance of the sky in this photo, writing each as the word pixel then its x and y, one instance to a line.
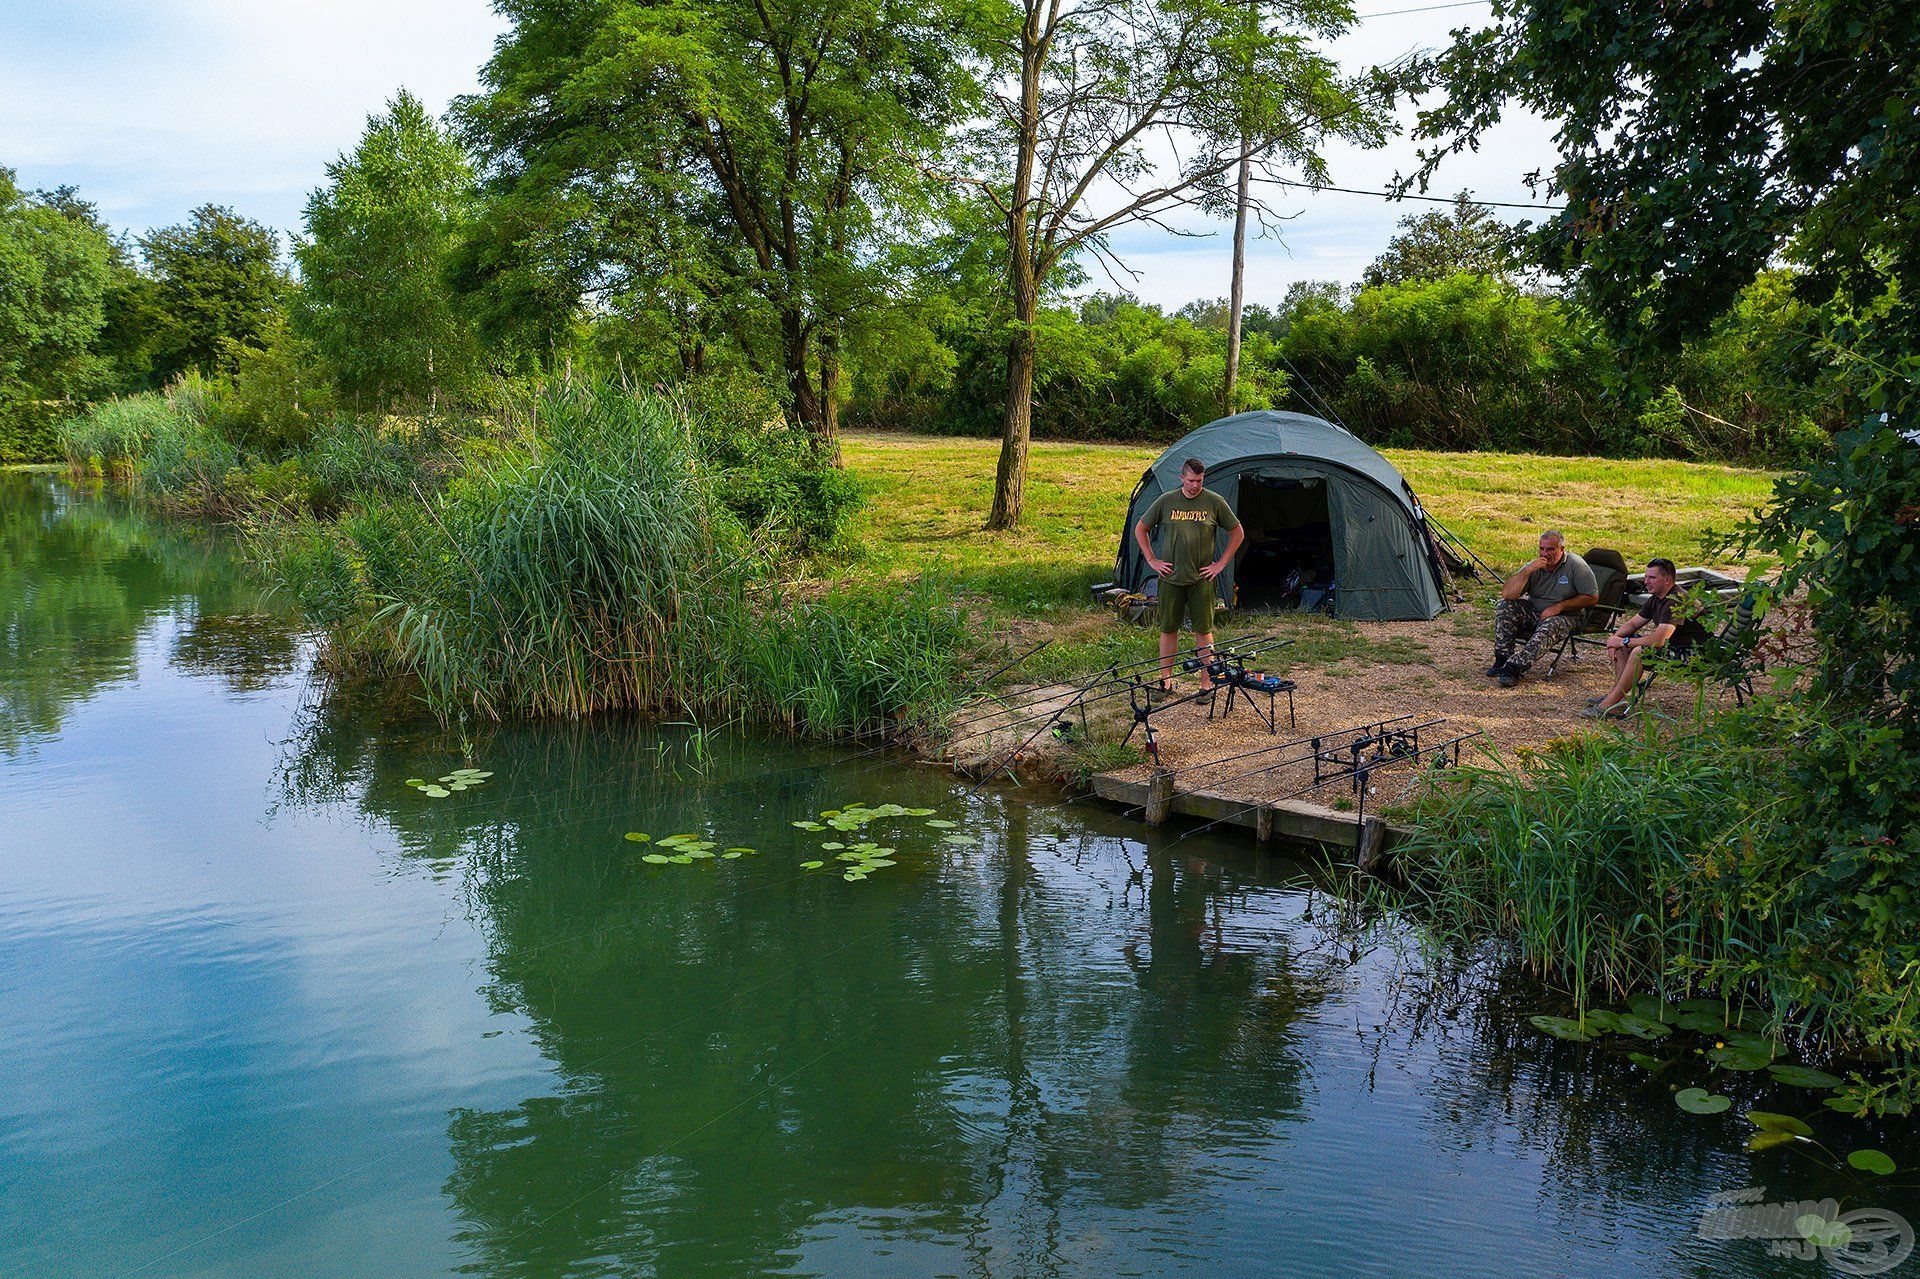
pixel 154 107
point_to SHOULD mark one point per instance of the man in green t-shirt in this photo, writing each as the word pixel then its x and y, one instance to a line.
pixel 1193 518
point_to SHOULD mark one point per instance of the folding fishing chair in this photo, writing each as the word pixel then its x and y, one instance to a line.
pixel 1597 620
pixel 1730 657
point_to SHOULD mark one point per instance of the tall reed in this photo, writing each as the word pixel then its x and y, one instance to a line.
pixel 586 560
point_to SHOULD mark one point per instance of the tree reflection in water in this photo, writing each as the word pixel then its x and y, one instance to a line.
pixel 88 577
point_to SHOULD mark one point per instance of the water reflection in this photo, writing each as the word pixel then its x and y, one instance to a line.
pixel 84 579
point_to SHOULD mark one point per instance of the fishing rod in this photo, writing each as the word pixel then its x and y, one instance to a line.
pixel 1279 746
pixel 1049 711
pixel 1113 673
pixel 1369 734
pixel 1372 730
pixel 1245 642
pixel 1356 774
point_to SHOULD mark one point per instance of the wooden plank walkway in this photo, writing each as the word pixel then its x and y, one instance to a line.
pixel 1297 820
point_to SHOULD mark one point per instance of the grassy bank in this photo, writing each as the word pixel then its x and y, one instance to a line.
pixel 931 495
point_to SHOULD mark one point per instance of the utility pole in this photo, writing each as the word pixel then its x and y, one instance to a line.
pixel 1238 291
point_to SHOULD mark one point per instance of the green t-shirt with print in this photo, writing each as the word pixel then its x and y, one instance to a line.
pixel 1191 525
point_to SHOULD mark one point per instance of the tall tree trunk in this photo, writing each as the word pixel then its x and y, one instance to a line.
pixel 1023 279
pixel 829 395
pixel 806 404
pixel 1238 290
pixel 1010 480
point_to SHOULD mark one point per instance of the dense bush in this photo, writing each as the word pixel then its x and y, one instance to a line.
pixel 1467 361
pixel 29 431
pixel 778 481
pixel 1110 369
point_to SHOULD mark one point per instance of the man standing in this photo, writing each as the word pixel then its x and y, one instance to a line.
pixel 1538 607
pixel 1193 517
pixel 1663 622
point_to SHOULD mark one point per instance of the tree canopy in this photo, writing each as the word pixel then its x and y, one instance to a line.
pixel 375 299
pixel 55 272
pixel 217 280
pixel 734 164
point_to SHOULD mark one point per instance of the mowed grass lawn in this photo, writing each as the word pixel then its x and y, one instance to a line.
pixel 929 496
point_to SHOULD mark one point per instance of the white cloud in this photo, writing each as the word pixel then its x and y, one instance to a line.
pixel 154 108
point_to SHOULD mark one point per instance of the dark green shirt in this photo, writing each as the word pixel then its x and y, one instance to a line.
pixel 1192 524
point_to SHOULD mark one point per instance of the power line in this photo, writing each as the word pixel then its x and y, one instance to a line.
pixel 1389 195
pixel 1426 8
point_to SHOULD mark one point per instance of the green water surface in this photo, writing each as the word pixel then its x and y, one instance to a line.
pixel 267 1010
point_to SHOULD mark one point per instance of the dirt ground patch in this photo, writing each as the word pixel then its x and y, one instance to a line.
pixel 1357 674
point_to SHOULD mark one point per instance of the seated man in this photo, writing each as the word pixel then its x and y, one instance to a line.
pixel 1663 622
pixel 1538 607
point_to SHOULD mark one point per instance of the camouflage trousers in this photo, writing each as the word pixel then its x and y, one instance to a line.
pixel 1520 634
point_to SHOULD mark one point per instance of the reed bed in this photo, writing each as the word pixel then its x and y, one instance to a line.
pixel 586 560
pixel 1707 858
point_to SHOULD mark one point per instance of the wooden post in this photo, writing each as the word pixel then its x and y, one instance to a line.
pixel 1159 796
pixel 1371 854
pixel 1263 824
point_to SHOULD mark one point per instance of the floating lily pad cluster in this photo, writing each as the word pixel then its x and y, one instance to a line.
pixel 856 860
pixel 684 850
pixel 458 780
pixel 1729 1045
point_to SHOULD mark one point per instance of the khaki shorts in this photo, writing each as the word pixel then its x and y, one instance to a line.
pixel 1189 603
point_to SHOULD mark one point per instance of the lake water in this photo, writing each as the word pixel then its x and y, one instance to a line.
pixel 267 1010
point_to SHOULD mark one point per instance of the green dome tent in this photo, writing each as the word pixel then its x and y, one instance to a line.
pixel 1322 511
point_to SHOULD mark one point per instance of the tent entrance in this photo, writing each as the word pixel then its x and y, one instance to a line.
pixel 1288 556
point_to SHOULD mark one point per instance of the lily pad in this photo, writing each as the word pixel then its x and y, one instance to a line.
pixel 917 812
pixel 811 865
pixel 1768 1121
pixel 1768 1140
pixel 739 850
pixel 1641 1027
pixel 1562 1028
pixel 1740 1058
pixel 1803 1076
pixel 1651 1006
pixel 638 836
pixel 881 861
pixel 1703 1023
pixel 939 823
pixel 1603 1021
pixel 1698 1101
pixel 416 781
pixel 658 859
pixel 1821 1232
pixel 809 826
pixel 833 845
pixel 730 856
pixel 1648 1061
pixel 1874 1161
pixel 853 875
pixel 437 792
pixel 1717 1007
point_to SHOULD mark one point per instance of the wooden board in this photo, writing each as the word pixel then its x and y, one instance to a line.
pixel 1289 819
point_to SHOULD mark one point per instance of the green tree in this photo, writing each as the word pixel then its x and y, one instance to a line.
pixel 1091 91
pixel 217 278
pixel 375 301
pixel 731 166
pixel 1433 246
pixel 55 269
